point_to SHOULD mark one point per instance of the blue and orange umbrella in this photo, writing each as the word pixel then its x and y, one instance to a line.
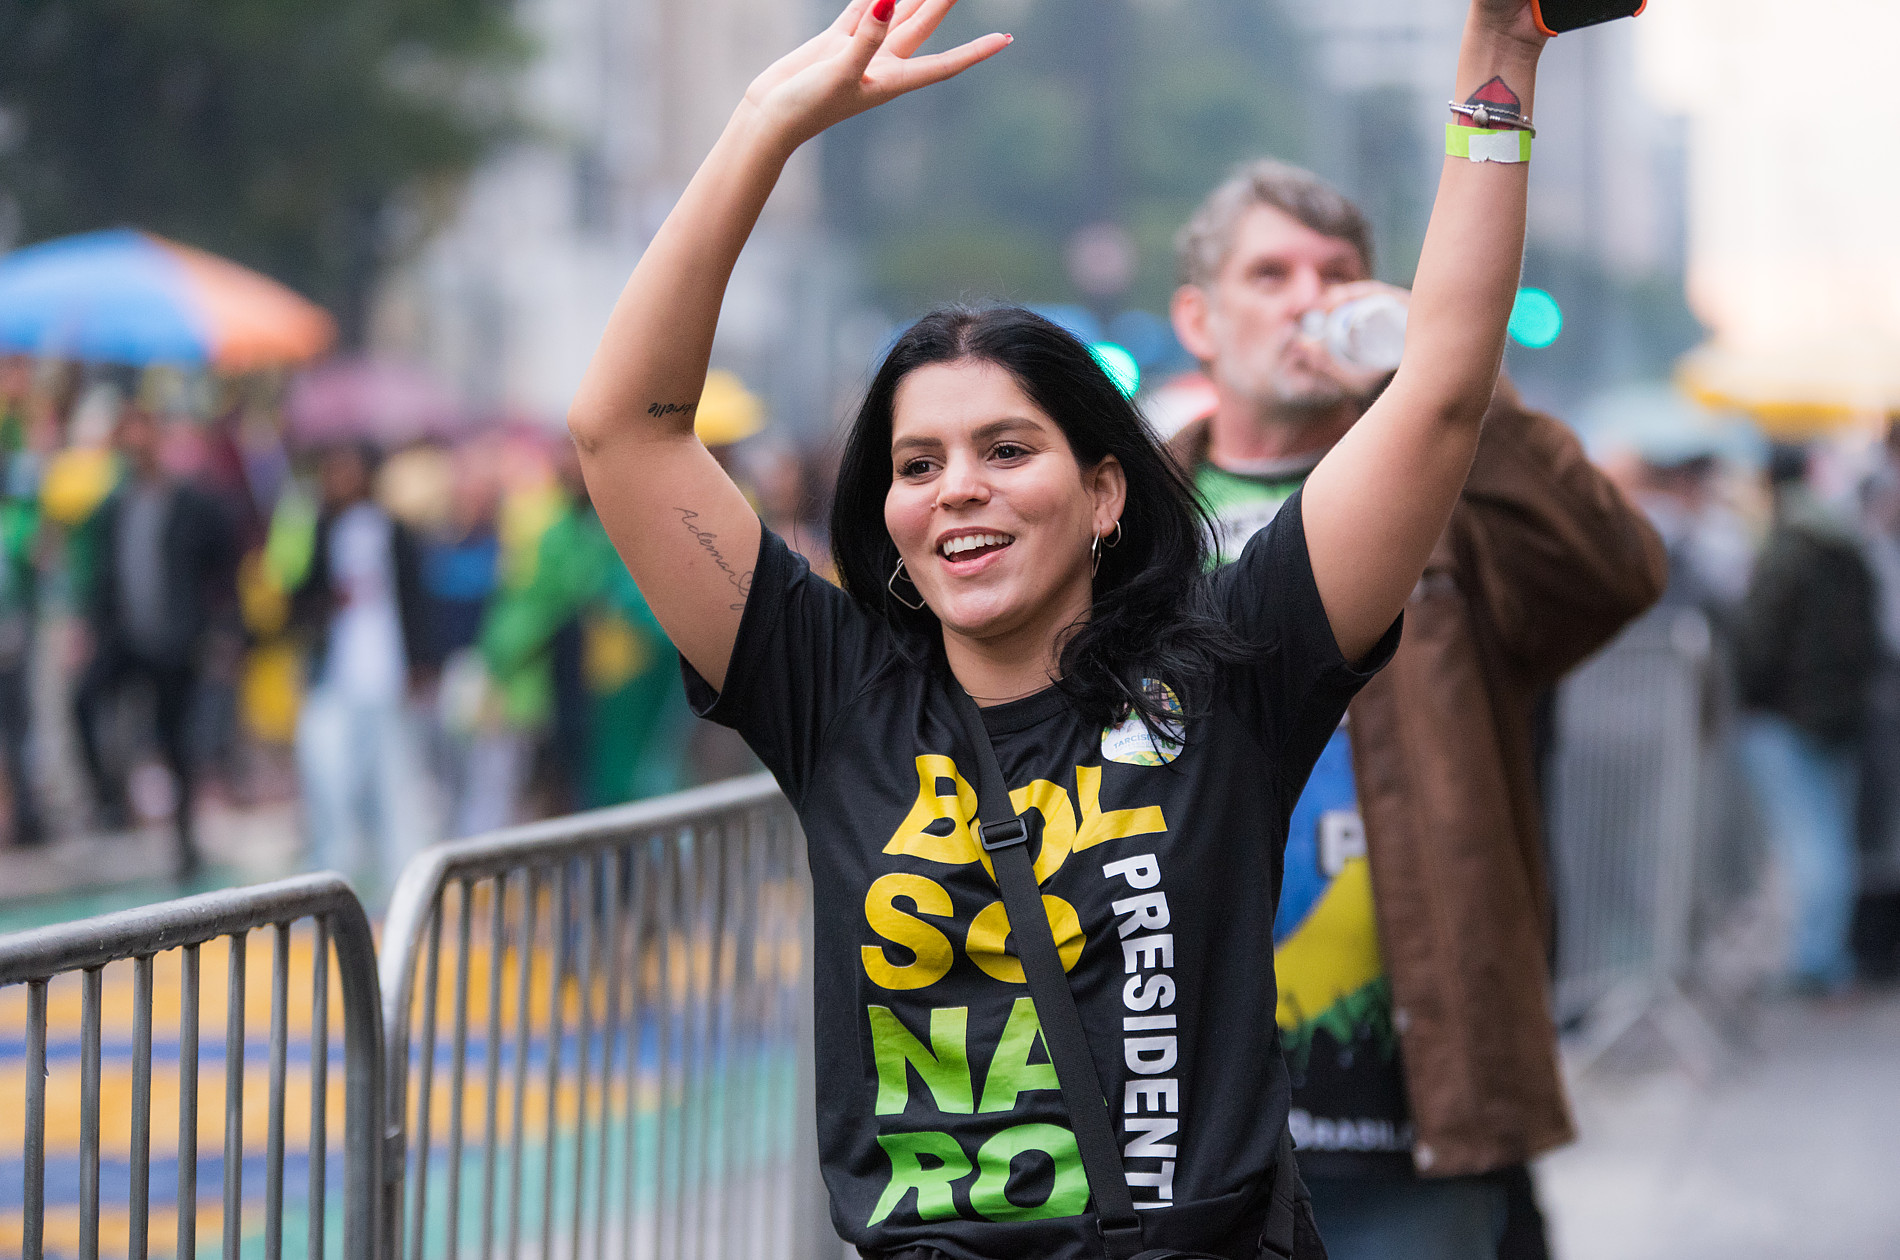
pixel 124 296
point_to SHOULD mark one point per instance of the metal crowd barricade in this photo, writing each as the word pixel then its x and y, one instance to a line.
pixel 1627 812
pixel 313 914
pixel 606 1056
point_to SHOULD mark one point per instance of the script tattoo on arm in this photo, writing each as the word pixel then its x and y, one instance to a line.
pixel 661 410
pixel 709 542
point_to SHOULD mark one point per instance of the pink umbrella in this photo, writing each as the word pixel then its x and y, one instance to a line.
pixel 384 400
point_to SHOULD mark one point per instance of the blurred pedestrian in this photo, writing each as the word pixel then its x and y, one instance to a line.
pixel 460 572
pixel 19 613
pixel 629 739
pixel 1710 545
pixel 460 557
pixel 1415 857
pixel 1807 652
pixel 19 590
pixel 204 456
pixel 523 727
pixel 360 609
pixel 163 570
pixel 1699 489
pixel 1877 918
pixel 16 394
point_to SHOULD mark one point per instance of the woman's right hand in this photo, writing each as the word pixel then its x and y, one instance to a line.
pixel 683 529
pixel 861 60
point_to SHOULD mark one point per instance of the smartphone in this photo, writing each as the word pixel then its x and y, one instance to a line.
pixel 1554 17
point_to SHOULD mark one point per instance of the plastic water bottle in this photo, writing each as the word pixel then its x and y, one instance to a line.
pixel 1367 334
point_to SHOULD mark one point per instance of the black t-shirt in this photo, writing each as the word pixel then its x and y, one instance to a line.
pixel 938 1115
pixel 1350 1113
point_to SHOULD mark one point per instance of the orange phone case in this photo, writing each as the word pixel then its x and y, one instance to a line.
pixel 1537 12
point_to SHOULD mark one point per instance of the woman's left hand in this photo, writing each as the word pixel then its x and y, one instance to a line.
pixel 1511 19
pixel 860 61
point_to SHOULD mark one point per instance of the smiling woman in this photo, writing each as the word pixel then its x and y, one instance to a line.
pixel 997 424
pixel 1007 530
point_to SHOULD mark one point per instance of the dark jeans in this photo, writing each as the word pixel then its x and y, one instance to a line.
pixel 1524 1229
pixel 1372 1218
pixel 112 670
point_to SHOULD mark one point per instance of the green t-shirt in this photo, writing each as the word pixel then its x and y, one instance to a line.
pixel 1349 1112
pixel 1242 506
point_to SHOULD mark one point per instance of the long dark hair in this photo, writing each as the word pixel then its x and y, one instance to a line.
pixel 1152 616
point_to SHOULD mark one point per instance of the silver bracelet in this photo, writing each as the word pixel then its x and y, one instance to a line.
pixel 1485 117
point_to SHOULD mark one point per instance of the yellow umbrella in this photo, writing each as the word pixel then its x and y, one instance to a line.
pixel 1797 390
pixel 77 481
pixel 728 411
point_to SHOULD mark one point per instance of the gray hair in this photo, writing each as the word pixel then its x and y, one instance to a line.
pixel 1202 246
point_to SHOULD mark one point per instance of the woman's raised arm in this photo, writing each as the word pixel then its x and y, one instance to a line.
pixel 1376 505
pixel 683 528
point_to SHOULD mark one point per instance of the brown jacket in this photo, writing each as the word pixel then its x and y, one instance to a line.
pixel 1542 563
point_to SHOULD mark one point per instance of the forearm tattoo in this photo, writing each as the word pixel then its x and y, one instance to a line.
pixel 1498 102
pixel 661 410
pixel 709 541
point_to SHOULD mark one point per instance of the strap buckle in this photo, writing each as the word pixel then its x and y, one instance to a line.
pixel 1002 835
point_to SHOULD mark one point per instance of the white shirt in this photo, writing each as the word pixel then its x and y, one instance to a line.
pixel 366 659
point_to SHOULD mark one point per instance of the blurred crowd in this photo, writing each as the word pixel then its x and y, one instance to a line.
pixel 432 637
pixel 1792 554
pixel 412 640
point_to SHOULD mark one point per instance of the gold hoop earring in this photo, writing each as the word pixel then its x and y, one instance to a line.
pixel 891 586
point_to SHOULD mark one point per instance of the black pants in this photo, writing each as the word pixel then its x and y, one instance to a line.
pixel 1306 1241
pixel 106 679
pixel 16 728
pixel 1524 1229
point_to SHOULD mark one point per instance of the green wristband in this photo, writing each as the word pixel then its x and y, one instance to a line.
pixel 1478 144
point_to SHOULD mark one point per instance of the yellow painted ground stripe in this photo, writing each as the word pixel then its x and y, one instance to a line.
pixel 115 1099
pixel 115 1228
pixel 690 971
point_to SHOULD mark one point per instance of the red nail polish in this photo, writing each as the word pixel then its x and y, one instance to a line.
pixel 884 10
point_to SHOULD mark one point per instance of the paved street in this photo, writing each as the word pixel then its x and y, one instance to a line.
pixel 1793 1153
pixel 92 874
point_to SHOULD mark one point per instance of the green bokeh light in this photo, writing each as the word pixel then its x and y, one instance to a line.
pixel 1120 366
pixel 1536 319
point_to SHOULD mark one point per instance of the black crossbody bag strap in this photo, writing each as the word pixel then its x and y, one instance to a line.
pixel 1005 836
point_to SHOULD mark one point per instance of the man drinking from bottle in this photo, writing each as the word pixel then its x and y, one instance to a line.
pixel 1411 936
